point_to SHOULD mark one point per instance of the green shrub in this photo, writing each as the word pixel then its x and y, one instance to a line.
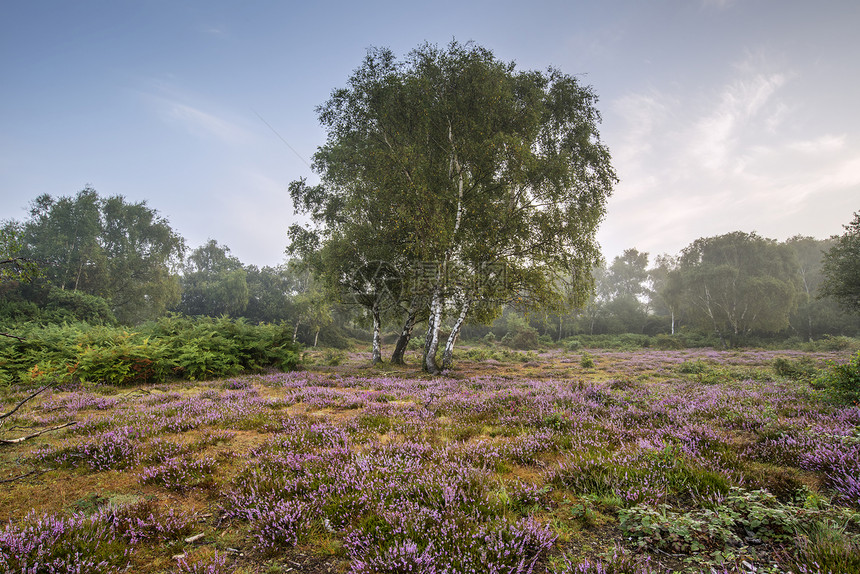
pixel 843 379
pixel 693 367
pixel 524 339
pixel 839 343
pixel 171 347
pixel 333 357
pixel 802 369
pixel 334 337
pixel 572 345
pixel 669 342
pixel 75 305
pixel 123 362
pixel 586 361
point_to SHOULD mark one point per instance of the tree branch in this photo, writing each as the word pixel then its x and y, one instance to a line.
pixel 35 434
pixel 34 471
pixel 19 405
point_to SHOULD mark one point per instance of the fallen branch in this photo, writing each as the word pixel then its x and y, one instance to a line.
pixel 19 405
pixel 11 336
pixel 35 434
pixel 35 471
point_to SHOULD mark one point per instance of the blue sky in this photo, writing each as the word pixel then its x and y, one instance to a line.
pixel 721 115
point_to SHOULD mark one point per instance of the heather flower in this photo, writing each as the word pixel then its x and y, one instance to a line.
pixel 110 449
pixel 217 564
pixel 60 545
pixel 141 521
pixel 180 473
pixel 277 523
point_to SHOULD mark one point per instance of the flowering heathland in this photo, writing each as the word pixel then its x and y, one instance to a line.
pixel 648 462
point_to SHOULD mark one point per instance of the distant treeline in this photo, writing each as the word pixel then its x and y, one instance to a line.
pixel 108 262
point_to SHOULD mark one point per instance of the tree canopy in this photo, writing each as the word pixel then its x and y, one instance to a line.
pixel 213 282
pixel 123 252
pixel 457 164
pixel 14 266
pixel 738 283
pixel 842 267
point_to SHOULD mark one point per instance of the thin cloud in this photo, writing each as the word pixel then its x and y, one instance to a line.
pixel 825 144
pixel 199 121
pixel 743 162
pixel 217 31
pixel 733 122
pixel 183 111
pixel 719 4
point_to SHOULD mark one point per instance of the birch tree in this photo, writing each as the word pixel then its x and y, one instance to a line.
pixel 464 164
pixel 738 283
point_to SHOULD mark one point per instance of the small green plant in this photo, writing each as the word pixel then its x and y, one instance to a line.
pixel 572 345
pixel 555 421
pixel 802 369
pixel 586 361
pixel 843 379
pixel 583 510
pixel 693 367
pixel 524 338
pixel 826 546
pixel 333 357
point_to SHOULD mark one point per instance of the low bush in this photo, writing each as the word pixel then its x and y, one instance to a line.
pixel 524 339
pixel 586 361
pixel 802 369
pixel 668 342
pixel 843 378
pixel 172 347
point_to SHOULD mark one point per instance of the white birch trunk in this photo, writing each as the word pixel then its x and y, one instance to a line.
pixel 448 354
pixel 435 324
pixel 377 325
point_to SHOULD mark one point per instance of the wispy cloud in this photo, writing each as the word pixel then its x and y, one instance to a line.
pixel 720 4
pixel 825 144
pixel 202 122
pixel 217 31
pixel 719 135
pixel 736 158
pixel 193 114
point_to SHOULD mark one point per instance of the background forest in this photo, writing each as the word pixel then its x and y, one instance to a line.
pixel 103 262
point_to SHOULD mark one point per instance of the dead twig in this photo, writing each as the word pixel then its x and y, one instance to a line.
pixel 23 402
pixel 32 472
pixel 35 434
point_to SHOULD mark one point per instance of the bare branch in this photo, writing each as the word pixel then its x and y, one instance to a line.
pixel 32 472
pixel 19 405
pixel 35 434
